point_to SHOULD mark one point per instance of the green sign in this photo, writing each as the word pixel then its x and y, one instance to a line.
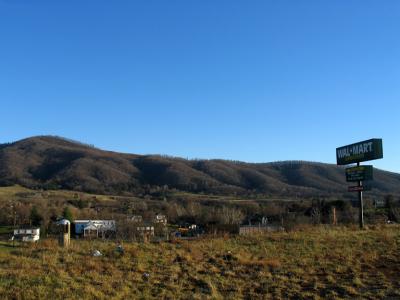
pixel 358 152
pixel 359 173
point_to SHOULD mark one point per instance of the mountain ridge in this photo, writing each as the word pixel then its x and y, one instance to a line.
pixel 57 162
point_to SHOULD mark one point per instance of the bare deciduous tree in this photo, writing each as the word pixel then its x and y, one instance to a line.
pixel 231 216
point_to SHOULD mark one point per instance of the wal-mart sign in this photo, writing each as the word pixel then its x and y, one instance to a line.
pixel 358 152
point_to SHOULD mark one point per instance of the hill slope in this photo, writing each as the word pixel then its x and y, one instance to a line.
pixel 46 162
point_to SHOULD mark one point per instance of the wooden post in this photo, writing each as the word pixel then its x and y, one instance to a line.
pixel 334 216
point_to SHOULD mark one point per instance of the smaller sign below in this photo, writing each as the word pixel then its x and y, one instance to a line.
pixel 359 188
pixel 355 188
pixel 359 173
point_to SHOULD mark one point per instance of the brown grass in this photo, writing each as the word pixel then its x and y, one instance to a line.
pixel 315 263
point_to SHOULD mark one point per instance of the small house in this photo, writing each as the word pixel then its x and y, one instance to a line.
pixel 94 228
pixel 27 234
pixel 145 231
pixel 160 219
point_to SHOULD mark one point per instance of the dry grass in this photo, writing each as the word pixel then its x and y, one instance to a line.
pixel 315 263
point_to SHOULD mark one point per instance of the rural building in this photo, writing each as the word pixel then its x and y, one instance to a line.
pixel 145 232
pixel 188 231
pixel 160 219
pixel 192 227
pixel 94 228
pixel 64 229
pixel 136 219
pixel 27 234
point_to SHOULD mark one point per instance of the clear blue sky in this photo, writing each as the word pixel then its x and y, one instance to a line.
pixel 255 81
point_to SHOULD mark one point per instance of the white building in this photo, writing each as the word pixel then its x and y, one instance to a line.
pixel 27 234
pixel 160 219
pixel 94 228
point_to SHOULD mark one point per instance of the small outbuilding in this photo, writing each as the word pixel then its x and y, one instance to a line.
pixel 94 228
pixel 160 219
pixel 64 238
pixel 27 234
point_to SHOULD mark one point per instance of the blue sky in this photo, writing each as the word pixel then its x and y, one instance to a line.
pixel 256 81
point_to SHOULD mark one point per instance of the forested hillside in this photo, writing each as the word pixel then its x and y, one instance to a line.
pixel 52 162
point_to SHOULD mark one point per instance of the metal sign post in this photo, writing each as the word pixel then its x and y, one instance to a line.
pixel 360 200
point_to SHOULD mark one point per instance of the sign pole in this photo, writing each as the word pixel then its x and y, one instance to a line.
pixel 360 199
pixel 356 153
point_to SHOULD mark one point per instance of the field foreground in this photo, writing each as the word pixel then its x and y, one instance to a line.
pixel 312 263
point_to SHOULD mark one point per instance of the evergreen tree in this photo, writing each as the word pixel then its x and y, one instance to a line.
pixel 35 217
pixel 67 214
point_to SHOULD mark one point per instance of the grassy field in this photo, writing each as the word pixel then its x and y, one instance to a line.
pixel 313 263
pixel 17 192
